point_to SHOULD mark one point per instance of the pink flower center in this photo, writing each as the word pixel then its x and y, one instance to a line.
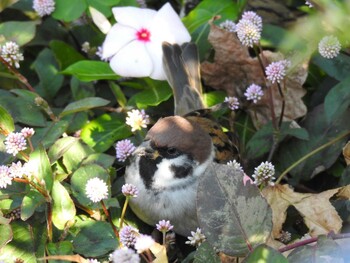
pixel 143 35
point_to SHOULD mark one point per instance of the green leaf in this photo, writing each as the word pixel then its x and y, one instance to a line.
pixel 47 69
pixel 337 67
pixel 65 54
pixel 40 161
pixel 103 132
pixel 63 209
pixel 118 93
pixel 49 134
pixel 80 178
pixel 230 212
pixel 264 253
pixel 214 97
pixel 60 147
pixel 19 32
pixel 22 110
pixel 67 10
pixel 87 70
pixel 320 132
pixel 59 248
pixel 326 250
pixel 262 140
pixel 152 96
pixel 337 99
pixel 77 153
pixel 22 245
pixel 92 233
pixel 6 3
pixel 206 253
pixel 6 234
pixel 101 159
pixel 197 21
pixel 31 202
pixel 83 105
pixel 6 122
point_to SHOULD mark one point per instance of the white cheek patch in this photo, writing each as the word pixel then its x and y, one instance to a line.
pixel 165 177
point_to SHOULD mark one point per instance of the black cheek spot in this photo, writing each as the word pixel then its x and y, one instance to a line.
pixel 147 169
pixel 181 171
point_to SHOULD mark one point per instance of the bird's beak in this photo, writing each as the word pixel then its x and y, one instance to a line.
pixel 146 150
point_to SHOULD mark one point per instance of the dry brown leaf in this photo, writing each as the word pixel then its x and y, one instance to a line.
pixel 346 153
pixel 318 213
pixel 233 70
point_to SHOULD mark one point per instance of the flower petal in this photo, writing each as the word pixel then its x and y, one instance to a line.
pixel 132 61
pixel 116 39
pixel 133 16
pixel 156 53
pixel 167 26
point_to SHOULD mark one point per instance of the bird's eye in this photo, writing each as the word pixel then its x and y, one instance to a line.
pixel 172 151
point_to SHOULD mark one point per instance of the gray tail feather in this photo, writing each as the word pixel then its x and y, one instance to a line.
pixel 182 68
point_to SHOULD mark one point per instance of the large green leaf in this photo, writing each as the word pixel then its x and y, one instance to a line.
pixel 197 20
pixel 6 122
pixel 22 246
pixel 19 32
pixel 337 68
pixel 68 10
pixel 22 110
pixel 60 248
pixel 49 134
pixel 63 209
pixel 65 54
pixel 264 253
pixel 47 69
pixel 206 253
pixel 31 202
pixel 92 233
pixel 40 161
pixel 321 131
pixel 87 70
pixel 337 99
pixel 103 132
pixel 151 96
pixel 77 153
pixel 231 213
pixel 83 105
pixel 60 147
pixel 6 234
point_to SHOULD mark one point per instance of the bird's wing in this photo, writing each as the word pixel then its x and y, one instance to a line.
pixel 182 69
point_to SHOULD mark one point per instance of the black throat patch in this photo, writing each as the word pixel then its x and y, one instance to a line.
pixel 147 169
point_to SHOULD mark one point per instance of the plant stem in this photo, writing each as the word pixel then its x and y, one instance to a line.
pixel 109 219
pixel 49 220
pixel 123 212
pixel 19 76
pixel 311 154
pixel 283 105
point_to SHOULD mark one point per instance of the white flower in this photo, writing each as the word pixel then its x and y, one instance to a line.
pixel 232 103
pixel 124 255
pixel 143 243
pixel 264 174
pixel 15 143
pixel 236 165
pixel 5 177
pixel 11 54
pixel 329 47
pixel 196 239
pixel 134 44
pixel 228 25
pixel 137 119
pixel 247 32
pixel 96 189
pixel 16 170
pixel 44 7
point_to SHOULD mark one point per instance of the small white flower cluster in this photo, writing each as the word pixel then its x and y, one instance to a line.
pixel 11 54
pixel 249 28
pixel 96 189
pixel 235 165
pixel 232 102
pixel 44 7
pixel 128 236
pixel 276 71
pixel 15 170
pixel 196 238
pixel 228 25
pixel 329 47
pixel 309 4
pixel 137 120
pixel 264 174
pixel 124 149
pixel 253 92
pixel 164 226
pixel 16 142
pixel 124 255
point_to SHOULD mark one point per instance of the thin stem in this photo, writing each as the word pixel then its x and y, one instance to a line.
pixel 283 105
pixel 302 159
pixel 49 220
pixel 19 76
pixel 109 219
pixel 30 145
pixel 164 234
pixel 123 212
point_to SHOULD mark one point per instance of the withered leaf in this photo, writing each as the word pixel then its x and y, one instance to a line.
pixel 233 70
pixel 318 213
pixel 346 153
